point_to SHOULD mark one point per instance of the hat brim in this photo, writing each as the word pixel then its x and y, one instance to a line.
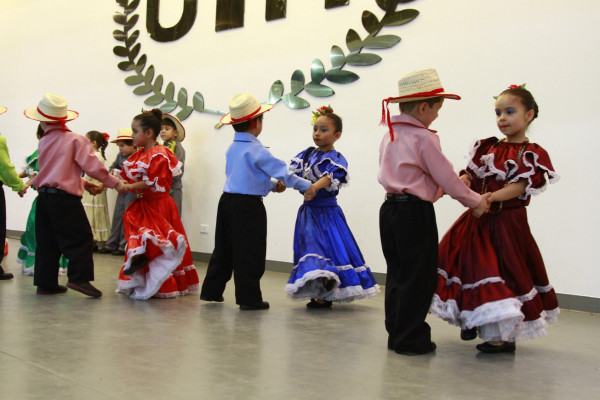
pixel 180 129
pixel 124 138
pixel 3 109
pixel 416 97
pixel 226 119
pixel 34 114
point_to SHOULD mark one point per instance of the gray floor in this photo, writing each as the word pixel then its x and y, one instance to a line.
pixel 71 347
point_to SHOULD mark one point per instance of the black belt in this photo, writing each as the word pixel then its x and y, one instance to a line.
pixel 401 197
pixel 53 190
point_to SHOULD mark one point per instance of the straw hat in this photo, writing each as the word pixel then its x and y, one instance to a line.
pixel 2 109
pixel 123 134
pixel 421 85
pixel 51 108
pixel 244 107
pixel 180 129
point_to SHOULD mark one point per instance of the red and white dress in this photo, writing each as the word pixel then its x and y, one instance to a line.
pixel 490 272
pixel 153 227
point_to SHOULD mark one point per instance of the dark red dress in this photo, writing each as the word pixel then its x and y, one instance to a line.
pixel 491 274
pixel 153 227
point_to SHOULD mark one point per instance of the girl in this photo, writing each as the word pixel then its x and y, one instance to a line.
pixel 158 261
pixel 96 207
pixel 328 265
pixel 26 254
pixel 491 276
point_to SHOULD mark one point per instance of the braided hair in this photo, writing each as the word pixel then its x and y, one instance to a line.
pixel 100 139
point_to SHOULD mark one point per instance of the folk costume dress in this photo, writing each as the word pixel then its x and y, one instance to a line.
pixel 26 254
pixel 153 227
pixel 96 209
pixel 491 274
pixel 324 247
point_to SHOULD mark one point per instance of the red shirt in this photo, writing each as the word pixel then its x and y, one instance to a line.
pixel 63 157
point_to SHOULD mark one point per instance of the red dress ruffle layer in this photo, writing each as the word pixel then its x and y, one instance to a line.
pixel 153 227
pixel 491 273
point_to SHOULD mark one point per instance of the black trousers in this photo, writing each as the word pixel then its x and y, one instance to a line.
pixel 2 221
pixel 240 248
pixel 62 227
pixel 409 240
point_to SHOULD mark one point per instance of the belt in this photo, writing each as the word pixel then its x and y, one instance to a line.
pixel 53 190
pixel 401 197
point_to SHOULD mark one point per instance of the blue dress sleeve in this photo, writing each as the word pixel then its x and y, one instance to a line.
pixel 335 166
pixel 298 163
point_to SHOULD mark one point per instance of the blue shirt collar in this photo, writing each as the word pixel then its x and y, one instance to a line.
pixel 245 137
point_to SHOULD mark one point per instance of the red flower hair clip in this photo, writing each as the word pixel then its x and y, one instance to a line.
pixel 521 86
pixel 320 111
pixel 106 136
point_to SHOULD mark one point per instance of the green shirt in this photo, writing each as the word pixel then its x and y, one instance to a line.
pixel 8 175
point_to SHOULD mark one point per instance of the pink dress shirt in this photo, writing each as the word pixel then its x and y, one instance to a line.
pixel 414 163
pixel 62 157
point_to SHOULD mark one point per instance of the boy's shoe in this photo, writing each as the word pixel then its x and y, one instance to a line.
pixel 263 305
pixel 432 346
pixel 4 276
pixel 105 250
pixel 315 304
pixel 118 252
pixel 506 347
pixel 86 288
pixel 468 334
pixel 54 290
pixel 219 299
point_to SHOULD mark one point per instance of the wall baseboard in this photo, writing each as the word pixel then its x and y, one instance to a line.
pixel 566 301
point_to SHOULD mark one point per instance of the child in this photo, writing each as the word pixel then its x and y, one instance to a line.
pixel 328 265
pixel 241 229
pixel 61 223
pixel 26 254
pixel 96 206
pixel 9 177
pixel 116 242
pixel 158 261
pixel 497 284
pixel 172 133
pixel 415 173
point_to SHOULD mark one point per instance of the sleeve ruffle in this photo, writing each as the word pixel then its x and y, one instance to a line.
pixel 335 167
pixel 297 163
pixel 151 172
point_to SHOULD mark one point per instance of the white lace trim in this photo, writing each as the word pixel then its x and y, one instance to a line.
pixel 141 171
pixel 544 289
pixel 313 174
pixel 466 286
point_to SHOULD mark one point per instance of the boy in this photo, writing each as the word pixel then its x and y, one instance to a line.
pixel 61 225
pixel 415 173
pixel 116 242
pixel 172 133
pixel 241 230
pixel 9 177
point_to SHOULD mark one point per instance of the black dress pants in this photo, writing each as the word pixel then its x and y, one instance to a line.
pixel 409 240
pixel 240 248
pixel 62 227
pixel 2 221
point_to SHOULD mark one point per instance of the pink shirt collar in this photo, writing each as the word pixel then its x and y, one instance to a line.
pixel 407 119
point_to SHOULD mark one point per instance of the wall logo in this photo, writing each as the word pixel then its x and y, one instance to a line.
pixel 148 83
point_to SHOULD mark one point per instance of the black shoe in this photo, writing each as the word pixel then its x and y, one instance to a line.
pixel 505 347
pixel 219 299
pixel 315 304
pixel 4 276
pixel 263 305
pixel 85 288
pixel 418 352
pixel 118 252
pixel 55 290
pixel 137 262
pixel 468 334
pixel 104 250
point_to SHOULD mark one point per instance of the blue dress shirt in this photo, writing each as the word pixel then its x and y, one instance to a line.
pixel 250 167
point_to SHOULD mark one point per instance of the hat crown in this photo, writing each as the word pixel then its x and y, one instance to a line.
pixel 124 132
pixel 243 105
pixel 422 81
pixel 53 105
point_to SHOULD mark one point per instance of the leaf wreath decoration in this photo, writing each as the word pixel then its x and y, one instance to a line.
pixel 148 83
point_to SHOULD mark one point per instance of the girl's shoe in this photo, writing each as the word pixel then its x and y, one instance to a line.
pixel 505 347
pixel 315 304
pixel 468 334
pixel 4 276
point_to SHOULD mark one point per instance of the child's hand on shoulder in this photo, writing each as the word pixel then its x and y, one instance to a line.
pixel 280 187
pixel 484 205
pixel 310 193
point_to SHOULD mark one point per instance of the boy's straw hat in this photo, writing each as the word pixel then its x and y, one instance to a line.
pixel 421 85
pixel 180 129
pixel 2 109
pixel 123 134
pixel 51 108
pixel 244 107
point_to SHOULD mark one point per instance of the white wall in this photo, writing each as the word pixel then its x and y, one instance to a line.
pixel 478 47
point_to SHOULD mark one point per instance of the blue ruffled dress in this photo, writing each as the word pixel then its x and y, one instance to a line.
pixel 324 247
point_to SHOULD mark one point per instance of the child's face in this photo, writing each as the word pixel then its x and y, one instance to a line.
pixel 512 118
pixel 429 113
pixel 324 133
pixel 140 137
pixel 167 132
pixel 125 148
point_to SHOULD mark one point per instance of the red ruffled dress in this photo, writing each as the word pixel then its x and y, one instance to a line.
pixel 490 272
pixel 153 227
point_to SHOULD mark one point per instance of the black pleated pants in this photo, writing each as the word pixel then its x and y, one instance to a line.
pixel 240 248
pixel 62 227
pixel 409 240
